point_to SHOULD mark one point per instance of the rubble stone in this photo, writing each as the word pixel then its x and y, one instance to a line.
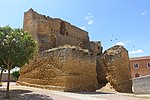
pixel 63 68
pixel 54 32
pixel 114 67
pixel 69 61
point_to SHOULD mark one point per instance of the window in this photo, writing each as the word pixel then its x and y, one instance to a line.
pixel 136 66
pixel 137 75
pixel 148 65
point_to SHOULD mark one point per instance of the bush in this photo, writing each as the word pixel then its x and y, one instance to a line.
pixel 16 74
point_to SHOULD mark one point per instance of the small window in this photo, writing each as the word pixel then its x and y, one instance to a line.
pixel 148 65
pixel 137 75
pixel 136 66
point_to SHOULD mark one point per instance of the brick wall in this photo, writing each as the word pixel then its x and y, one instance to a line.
pixel 142 69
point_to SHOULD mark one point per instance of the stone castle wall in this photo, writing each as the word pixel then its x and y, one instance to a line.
pixel 64 68
pixel 79 67
pixel 113 66
pixel 55 32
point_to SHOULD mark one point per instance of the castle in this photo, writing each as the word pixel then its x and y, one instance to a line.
pixel 67 60
pixel 51 33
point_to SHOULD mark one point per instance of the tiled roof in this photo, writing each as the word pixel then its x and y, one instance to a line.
pixel 140 58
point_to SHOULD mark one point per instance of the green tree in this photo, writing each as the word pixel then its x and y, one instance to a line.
pixel 16 48
pixel 15 74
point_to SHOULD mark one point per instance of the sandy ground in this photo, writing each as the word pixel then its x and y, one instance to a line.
pixel 30 93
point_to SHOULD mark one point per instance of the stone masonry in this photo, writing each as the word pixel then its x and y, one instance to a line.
pixel 67 60
pixel 51 33
pixel 63 68
pixel 113 66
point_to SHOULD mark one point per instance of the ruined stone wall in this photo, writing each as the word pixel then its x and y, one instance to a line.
pixel 96 47
pixel 72 68
pixel 113 66
pixel 52 33
pixel 64 68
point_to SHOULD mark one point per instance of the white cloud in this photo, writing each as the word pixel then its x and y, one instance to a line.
pixel 123 43
pixel 90 22
pixel 143 13
pixel 89 13
pixel 89 18
pixel 82 28
pixel 120 43
pixel 129 41
pixel 136 51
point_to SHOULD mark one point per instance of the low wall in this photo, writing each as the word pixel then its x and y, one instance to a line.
pixel 141 85
pixel 5 78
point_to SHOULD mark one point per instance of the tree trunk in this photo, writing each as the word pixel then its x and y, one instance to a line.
pixel 8 82
pixel 1 77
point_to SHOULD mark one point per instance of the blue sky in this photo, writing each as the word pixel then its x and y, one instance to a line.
pixel 125 22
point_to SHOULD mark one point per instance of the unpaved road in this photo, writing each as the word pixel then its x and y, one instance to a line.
pixel 30 93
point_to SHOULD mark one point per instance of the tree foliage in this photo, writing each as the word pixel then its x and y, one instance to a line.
pixel 16 74
pixel 16 48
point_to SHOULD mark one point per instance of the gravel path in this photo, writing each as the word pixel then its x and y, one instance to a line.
pixel 30 93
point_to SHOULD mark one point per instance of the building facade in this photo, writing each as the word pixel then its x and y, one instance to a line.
pixel 140 66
